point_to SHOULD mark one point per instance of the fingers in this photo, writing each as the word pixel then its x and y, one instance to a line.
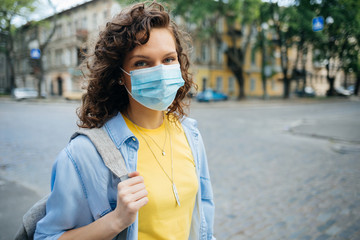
pixel 140 203
pixel 139 195
pixel 133 174
pixel 132 189
pixel 137 187
pixel 134 178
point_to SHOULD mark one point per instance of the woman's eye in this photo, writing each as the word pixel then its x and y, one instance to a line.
pixel 140 64
pixel 169 60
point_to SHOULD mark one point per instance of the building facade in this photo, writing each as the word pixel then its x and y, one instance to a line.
pixel 78 27
pixel 76 30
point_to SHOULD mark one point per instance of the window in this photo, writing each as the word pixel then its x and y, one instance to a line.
pixel 204 53
pixel 77 25
pixel 59 31
pixel 67 57
pixel 45 61
pixel 219 84
pixel 95 24
pixel 219 55
pixel 69 29
pixel 84 23
pixel 220 25
pixel 273 84
pixel 73 56
pixel 204 82
pixel 106 15
pixel 24 66
pixel 51 58
pixel 253 57
pixel 231 85
pixel 58 57
pixel 252 84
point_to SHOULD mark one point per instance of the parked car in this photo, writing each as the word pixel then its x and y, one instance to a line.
pixel 342 92
pixel 25 93
pixel 351 89
pixel 209 95
pixel 73 95
pixel 307 92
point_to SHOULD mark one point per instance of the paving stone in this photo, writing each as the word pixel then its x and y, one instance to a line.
pixel 324 217
pixel 349 232
pixel 333 230
pixel 325 226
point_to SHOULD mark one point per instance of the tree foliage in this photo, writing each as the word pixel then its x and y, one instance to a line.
pixel 10 10
pixel 338 44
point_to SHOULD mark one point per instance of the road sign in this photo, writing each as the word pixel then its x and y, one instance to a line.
pixel 317 24
pixel 35 53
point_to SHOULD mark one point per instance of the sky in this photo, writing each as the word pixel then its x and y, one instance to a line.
pixel 44 10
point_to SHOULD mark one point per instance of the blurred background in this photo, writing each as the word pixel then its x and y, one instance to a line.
pixel 241 48
pixel 277 103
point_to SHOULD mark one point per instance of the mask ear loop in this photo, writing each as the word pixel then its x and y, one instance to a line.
pixel 124 71
pixel 121 82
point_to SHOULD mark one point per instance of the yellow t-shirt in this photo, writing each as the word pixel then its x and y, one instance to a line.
pixel 162 218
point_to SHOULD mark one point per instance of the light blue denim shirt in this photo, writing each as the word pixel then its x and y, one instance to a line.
pixel 83 189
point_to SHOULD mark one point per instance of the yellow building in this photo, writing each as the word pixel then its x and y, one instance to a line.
pixel 211 69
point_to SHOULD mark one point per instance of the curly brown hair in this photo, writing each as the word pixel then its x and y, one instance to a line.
pixel 105 97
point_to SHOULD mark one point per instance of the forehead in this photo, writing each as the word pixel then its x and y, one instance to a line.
pixel 160 40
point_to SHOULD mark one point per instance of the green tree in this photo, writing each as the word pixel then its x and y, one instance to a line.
pixel 339 42
pixel 10 10
pixel 285 22
pixel 48 29
pixel 39 35
pixel 301 26
pixel 265 45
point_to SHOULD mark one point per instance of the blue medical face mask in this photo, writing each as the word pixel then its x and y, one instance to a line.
pixel 155 87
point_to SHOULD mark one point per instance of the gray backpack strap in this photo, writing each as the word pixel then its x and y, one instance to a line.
pixel 31 217
pixel 107 150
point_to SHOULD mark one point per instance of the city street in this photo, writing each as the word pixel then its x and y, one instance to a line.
pixel 280 169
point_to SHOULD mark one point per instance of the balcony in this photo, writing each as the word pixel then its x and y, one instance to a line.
pixel 82 34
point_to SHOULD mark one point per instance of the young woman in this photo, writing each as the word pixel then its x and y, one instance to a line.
pixel 138 79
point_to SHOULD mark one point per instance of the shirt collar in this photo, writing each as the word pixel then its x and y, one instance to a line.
pixel 118 130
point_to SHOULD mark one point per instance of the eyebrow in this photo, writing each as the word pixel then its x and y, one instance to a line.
pixel 146 57
pixel 139 56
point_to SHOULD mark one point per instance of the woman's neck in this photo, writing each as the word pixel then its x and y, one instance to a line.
pixel 145 117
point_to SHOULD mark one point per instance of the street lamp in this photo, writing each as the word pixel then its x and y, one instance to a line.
pixel 329 20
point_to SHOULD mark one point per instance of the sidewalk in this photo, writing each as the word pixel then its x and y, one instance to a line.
pixel 15 200
pixel 248 101
pixel 337 129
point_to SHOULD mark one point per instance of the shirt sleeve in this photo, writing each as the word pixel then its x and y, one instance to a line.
pixel 67 206
pixel 206 190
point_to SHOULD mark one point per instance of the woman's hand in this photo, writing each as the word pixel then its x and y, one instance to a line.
pixel 131 196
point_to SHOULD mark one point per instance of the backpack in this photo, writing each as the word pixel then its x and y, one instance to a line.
pixel 112 159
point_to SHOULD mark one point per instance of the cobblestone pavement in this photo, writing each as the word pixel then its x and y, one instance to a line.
pixel 284 171
pixel 279 170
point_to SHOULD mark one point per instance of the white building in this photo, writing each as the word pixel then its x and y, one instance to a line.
pixel 76 29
